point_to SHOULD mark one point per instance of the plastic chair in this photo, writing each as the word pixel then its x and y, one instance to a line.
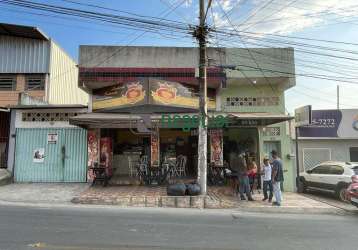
pixel 131 167
pixel 179 169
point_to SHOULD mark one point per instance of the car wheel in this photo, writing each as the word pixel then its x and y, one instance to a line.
pixel 341 193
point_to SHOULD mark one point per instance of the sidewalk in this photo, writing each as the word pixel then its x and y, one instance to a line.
pixel 59 193
pixel 217 198
pixel 140 196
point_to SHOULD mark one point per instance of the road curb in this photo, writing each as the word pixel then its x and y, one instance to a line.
pixel 293 210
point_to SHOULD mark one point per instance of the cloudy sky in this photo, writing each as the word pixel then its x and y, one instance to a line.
pixel 320 65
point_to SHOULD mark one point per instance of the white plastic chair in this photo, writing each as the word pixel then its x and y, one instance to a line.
pixel 179 169
pixel 132 167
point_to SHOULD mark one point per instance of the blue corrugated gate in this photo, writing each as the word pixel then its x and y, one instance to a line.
pixel 64 159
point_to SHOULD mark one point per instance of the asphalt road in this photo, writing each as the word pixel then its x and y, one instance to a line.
pixel 69 228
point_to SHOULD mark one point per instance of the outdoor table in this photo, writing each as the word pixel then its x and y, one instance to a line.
pixel 153 175
pixel 216 174
pixel 100 174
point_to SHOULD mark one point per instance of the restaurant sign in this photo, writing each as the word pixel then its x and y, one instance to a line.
pixel 176 94
pixel 332 123
pixel 123 95
pixel 149 91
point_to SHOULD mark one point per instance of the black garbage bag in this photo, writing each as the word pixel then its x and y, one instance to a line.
pixel 193 189
pixel 176 190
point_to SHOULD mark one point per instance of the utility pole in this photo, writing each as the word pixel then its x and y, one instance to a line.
pixel 337 96
pixel 200 34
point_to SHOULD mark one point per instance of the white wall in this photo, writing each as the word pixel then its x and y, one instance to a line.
pixel 339 148
pixel 56 124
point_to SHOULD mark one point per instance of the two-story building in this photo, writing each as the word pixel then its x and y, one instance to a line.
pixel 38 91
pixel 144 106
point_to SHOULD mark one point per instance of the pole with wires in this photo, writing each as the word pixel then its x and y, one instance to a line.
pixel 200 34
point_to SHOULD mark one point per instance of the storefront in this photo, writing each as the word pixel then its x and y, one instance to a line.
pixel 119 142
pixel 144 108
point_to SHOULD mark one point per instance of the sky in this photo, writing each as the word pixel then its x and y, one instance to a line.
pixel 333 20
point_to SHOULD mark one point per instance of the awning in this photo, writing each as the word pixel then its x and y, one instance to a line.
pixel 257 119
pixel 116 120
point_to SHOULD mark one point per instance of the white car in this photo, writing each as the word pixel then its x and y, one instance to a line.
pixel 330 176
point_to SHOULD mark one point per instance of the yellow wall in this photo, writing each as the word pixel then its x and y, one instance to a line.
pixel 63 80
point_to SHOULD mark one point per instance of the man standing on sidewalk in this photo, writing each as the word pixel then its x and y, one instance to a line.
pixel 277 178
pixel 267 172
pixel 243 178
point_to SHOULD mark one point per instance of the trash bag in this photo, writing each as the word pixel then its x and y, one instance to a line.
pixel 193 189
pixel 176 190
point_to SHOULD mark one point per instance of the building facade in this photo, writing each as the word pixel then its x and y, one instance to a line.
pixel 144 101
pixel 332 136
pixel 32 65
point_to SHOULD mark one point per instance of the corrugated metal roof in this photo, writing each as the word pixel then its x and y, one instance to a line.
pixel 24 55
pixel 22 31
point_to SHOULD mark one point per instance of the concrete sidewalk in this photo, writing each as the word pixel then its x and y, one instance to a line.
pixel 59 193
pixel 217 198
pixel 139 196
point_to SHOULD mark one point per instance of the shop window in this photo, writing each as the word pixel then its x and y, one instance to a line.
pixel 46 117
pixel 35 82
pixel 7 83
pixel 236 101
pixel 272 131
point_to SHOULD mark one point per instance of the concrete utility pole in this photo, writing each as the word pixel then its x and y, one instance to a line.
pixel 200 34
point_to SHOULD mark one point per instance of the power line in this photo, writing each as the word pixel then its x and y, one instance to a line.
pixel 284 7
pixel 315 97
pixel 314 14
pixel 242 72
pixel 248 50
pixel 136 23
pixel 305 51
pixel 130 42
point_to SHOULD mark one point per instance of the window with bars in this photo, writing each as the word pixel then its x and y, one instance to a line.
pixel 236 101
pixel 35 82
pixel 47 117
pixel 7 83
pixel 272 131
